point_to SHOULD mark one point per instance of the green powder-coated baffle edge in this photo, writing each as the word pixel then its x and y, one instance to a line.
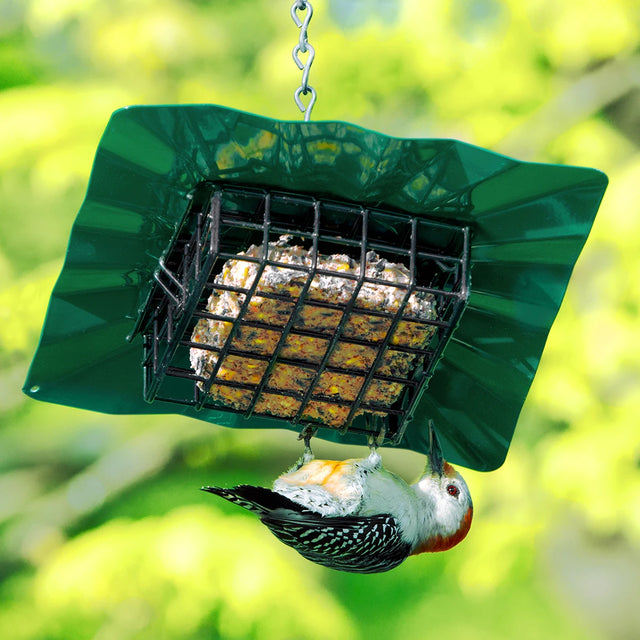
pixel 528 222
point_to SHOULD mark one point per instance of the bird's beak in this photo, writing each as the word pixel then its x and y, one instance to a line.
pixel 435 461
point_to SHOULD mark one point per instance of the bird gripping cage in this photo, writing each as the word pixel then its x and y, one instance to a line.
pixel 303 335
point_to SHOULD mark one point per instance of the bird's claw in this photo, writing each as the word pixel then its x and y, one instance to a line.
pixel 376 438
pixel 306 434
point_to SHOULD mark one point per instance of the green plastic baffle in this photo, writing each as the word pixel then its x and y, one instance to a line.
pixel 527 223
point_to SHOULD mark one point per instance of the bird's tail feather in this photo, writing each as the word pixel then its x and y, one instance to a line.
pixel 257 499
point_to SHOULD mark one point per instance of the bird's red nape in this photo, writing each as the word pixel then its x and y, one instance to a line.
pixel 448 470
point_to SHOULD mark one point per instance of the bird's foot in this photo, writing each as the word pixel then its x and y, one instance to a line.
pixel 306 434
pixel 375 440
pixel 376 435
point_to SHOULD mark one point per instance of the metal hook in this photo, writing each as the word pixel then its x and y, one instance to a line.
pixel 302 65
pixel 301 5
pixel 306 110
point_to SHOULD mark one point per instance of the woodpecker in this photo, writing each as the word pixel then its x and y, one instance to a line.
pixel 356 516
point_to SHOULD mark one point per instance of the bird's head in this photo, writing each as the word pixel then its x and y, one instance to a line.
pixel 450 507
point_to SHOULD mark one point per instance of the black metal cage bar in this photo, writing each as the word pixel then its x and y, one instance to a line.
pixel 204 325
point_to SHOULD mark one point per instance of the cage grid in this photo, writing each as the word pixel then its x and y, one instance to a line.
pixel 230 226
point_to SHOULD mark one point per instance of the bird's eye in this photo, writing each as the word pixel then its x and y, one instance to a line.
pixel 452 490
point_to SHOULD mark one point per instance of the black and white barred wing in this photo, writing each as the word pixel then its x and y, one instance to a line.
pixel 356 544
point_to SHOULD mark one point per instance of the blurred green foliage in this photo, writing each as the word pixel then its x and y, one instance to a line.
pixel 103 533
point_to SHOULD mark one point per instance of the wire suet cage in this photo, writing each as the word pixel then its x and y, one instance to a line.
pixel 298 340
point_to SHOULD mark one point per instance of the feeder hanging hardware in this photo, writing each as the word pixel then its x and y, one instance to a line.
pixel 303 46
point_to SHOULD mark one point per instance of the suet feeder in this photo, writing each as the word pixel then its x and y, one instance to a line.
pixel 327 351
pixel 177 192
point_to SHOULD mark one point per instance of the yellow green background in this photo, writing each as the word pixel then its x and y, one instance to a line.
pixel 103 533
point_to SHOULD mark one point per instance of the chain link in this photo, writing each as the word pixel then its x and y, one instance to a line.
pixel 303 46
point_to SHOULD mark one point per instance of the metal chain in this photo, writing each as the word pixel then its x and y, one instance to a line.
pixel 303 46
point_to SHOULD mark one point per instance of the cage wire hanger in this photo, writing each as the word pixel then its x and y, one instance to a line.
pixel 303 46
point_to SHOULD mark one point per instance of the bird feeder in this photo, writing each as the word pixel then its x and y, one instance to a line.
pixel 178 194
pixel 316 359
